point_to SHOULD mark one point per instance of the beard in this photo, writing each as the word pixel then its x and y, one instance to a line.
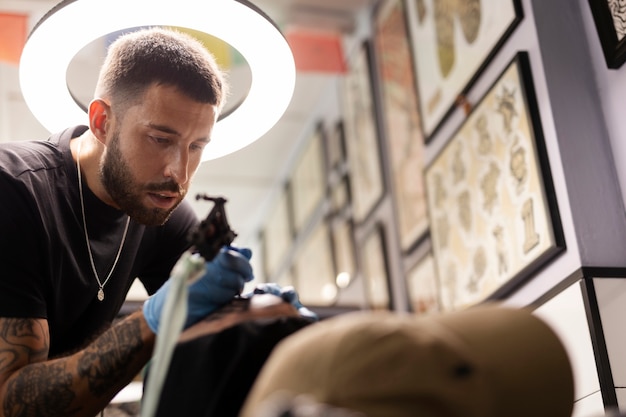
pixel 117 178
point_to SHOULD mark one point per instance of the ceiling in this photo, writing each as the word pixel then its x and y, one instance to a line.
pixel 250 178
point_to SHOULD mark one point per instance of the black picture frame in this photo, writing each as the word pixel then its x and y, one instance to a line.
pixel 451 83
pixel 423 286
pixel 612 37
pixel 336 146
pixel 308 179
pixel 374 262
pixel 401 120
pixel 494 215
pixel 314 268
pixel 361 124
pixel 277 235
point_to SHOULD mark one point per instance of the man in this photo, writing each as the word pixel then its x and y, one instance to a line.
pixel 92 208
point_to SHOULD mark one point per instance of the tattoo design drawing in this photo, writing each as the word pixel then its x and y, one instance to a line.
pixel 486 187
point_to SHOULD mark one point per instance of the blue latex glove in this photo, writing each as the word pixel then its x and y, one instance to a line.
pixel 223 279
pixel 288 294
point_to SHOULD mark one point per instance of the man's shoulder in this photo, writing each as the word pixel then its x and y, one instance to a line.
pixel 20 157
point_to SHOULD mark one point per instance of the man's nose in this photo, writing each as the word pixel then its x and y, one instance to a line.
pixel 178 167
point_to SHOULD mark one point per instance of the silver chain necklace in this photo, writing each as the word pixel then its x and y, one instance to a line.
pixel 82 208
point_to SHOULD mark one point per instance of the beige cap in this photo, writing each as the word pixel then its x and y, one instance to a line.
pixel 487 361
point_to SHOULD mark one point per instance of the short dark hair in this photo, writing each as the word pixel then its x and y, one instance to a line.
pixel 156 55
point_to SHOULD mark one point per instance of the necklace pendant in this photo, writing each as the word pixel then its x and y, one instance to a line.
pixel 100 294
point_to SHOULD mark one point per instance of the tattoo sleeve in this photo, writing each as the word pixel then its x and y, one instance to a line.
pixel 105 361
pixel 76 385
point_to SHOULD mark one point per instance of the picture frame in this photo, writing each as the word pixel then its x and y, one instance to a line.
pixel 339 196
pixel 314 271
pixel 375 270
pixel 423 286
pixel 277 235
pixel 493 209
pixel 361 130
pixel 344 253
pixel 442 36
pixel 401 120
pixel 336 146
pixel 308 179
pixel 610 19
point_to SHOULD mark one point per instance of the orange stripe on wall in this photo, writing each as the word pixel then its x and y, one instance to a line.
pixel 13 32
pixel 316 51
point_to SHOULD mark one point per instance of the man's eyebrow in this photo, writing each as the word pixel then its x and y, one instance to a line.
pixel 164 129
pixel 169 130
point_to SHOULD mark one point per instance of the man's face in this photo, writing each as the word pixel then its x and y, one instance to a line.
pixel 153 153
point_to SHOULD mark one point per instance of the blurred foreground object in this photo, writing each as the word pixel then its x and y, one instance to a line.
pixel 488 361
pixel 217 360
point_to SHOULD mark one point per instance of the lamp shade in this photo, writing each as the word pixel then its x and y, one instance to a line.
pixel 53 43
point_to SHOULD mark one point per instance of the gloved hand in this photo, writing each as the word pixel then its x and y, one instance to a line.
pixel 223 279
pixel 288 294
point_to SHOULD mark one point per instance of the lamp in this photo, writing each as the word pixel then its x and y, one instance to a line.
pixel 72 24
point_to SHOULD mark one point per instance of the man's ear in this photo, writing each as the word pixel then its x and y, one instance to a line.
pixel 99 113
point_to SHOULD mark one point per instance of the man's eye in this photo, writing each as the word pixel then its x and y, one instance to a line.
pixel 162 141
pixel 197 146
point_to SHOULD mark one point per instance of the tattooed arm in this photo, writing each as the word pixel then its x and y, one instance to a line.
pixel 78 385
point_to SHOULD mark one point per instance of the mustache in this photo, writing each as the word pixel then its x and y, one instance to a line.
pixel 171 186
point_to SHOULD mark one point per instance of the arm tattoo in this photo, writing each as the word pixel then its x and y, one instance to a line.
pixel 17 336
pixel 51 387
pixel 26 394
pixel 40 391
pixel 106 361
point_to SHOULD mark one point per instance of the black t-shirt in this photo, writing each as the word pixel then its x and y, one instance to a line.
pixel 45 270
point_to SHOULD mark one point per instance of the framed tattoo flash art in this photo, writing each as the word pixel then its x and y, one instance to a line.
pixel 401 120
pixel 277 235
pixel 343 249
pixel 452 42
pixel 308 180
pixel 423 286
pixel 494 216
pixel 610 20
pixel 376 270
pixel 314 269
pixel 361 134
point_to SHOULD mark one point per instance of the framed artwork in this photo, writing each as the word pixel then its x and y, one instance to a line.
pixel 339 195
pixel 423 286
pixel 343 251
pixel 375 270
pixel 493 210
pixel 277 235
pixel 453 41
pixel 361 133
pixel 401 120
pixel 610 20
pixel 314 270
pixel 308 180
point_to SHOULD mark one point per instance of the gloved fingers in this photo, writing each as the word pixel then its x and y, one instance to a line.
pixel 247 252
pixel 226 279
pixel 236 260
pixel 268 288
pixel 289 294
pixel 218 296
